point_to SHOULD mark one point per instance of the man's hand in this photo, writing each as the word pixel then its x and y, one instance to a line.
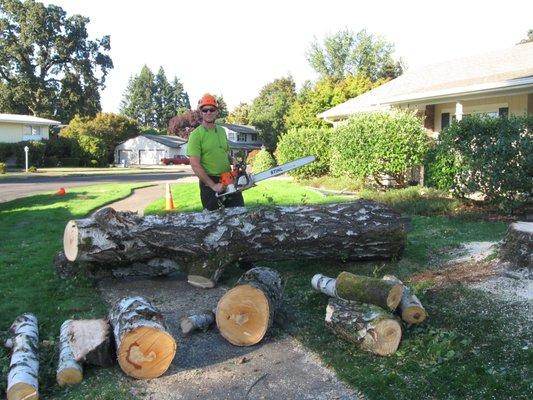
pixel 217 187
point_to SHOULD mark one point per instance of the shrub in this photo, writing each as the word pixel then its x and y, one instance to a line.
pixel 89 148
pixel 251 156
pixel 298 143
pixel 68 162
pixel 493 156
pixel 35 153
pixel 262 161
pixel 32 169
pixel 6 151
pixel 3 168
pixel 371 144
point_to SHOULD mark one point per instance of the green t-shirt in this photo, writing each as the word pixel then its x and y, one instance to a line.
pixel 211 145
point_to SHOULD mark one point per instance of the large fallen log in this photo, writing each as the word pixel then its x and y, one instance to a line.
pixel 517 246
pixel 410 308
pixel 203 244
pixel 145 348
pixel 365 289
pixel 245 313
pixel 369 327
pixel 22 379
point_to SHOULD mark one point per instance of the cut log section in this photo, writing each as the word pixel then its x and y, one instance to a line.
pixel 203 244
pixel 360 288
pixel 22 379
pixel 410 308
pixel 245 313
pixel 517 246
pixel 145 348
pixel 69 371
pixel 369 327
pixel 197 322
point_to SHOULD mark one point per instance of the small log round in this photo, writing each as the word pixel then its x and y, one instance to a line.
pixel 197 322
pixel 145 348
pixel 517 246
pixel 410 308
pixel 245 313
pixel 22 379
pixel 324 284
pixel 369 327
pixel 69 371
pixel 369 290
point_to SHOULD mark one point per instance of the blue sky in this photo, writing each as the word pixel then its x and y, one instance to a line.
pixel 233 48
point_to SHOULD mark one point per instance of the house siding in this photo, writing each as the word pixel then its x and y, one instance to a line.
pixel 518 105
pixel 530 104
pixel 139 143
pixel 10 133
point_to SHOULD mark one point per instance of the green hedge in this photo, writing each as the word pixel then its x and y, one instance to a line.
pixel 298 143
pixel 262 161
pixel 3 168
pixel 370 144
pixel 493 156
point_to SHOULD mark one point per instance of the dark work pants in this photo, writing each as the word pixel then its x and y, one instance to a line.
pixel 211 202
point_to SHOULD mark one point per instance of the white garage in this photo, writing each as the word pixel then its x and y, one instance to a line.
pixel 149 149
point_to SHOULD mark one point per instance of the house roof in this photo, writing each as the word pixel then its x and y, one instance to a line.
pixel 511 68
pixel 167 140
pixel 243 146
pixel 26 119
pixel 240 128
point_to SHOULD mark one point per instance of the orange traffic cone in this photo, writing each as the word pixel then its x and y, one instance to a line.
pixel 168 197
pixel 61 192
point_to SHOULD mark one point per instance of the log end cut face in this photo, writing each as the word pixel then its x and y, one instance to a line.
pixel 21 391
pixel 395 296
pixel 69 376
pixel 414 314
pixel 385 339
pixel 243 315
pixel 146 353
pixel 70 240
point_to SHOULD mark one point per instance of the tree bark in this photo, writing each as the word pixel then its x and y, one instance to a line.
pixel 203 244
pixel 360 288
pixel 369 327
pixel 517 246
pixel 69 371
pixel 410 308
pixel 145 348
pixel 245 313
pixel 22 379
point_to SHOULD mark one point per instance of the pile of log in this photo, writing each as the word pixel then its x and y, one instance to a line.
pixel 360 309
pixel 202 244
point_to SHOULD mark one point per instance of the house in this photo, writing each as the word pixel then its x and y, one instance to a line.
pixel 18 128
pixel 497 83
pixel 242 135
pixel 149 149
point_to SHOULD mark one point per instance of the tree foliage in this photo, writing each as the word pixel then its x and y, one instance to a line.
pixel 321 96
pixel 529 37
pixel 152 100
pixel 240 115
pixel 371 144
pixel 262 161
pixel 345 53
pixel 270 108
pixel 106 129
pixel 48 66
pixel 182 125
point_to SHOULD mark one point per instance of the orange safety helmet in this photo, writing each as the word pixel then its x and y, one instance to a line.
pixel 207 100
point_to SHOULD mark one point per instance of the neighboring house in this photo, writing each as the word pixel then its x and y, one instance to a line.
pixel 149 149
pixel 242 134
pixel 18 128
pixel 497 83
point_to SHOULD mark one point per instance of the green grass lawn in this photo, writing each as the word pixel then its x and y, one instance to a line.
pixel 31 231
pixel 81 171
pixel 468 348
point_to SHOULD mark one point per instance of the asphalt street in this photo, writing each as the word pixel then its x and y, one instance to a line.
pixel 14 188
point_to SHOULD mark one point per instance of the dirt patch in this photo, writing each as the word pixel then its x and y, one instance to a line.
pixel 206 366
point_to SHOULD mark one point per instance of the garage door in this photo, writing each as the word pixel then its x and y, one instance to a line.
pixel 151 157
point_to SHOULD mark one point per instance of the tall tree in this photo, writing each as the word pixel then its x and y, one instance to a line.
pixel 529 37
pixel 222 108
pixel 48 66
pixel 345 53
pixel 269 109
pixel 164 107
pixel 180 97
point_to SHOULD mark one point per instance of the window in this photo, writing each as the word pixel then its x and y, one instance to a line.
pixel 241 137
pixel 444 120
pixel 31 130
pixel 254 137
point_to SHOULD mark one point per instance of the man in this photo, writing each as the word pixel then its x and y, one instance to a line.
pixel 208 151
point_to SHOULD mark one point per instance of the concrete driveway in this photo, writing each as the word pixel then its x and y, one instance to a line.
pixel 14 188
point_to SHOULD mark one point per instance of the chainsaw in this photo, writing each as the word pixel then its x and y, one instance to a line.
pixel 238 179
